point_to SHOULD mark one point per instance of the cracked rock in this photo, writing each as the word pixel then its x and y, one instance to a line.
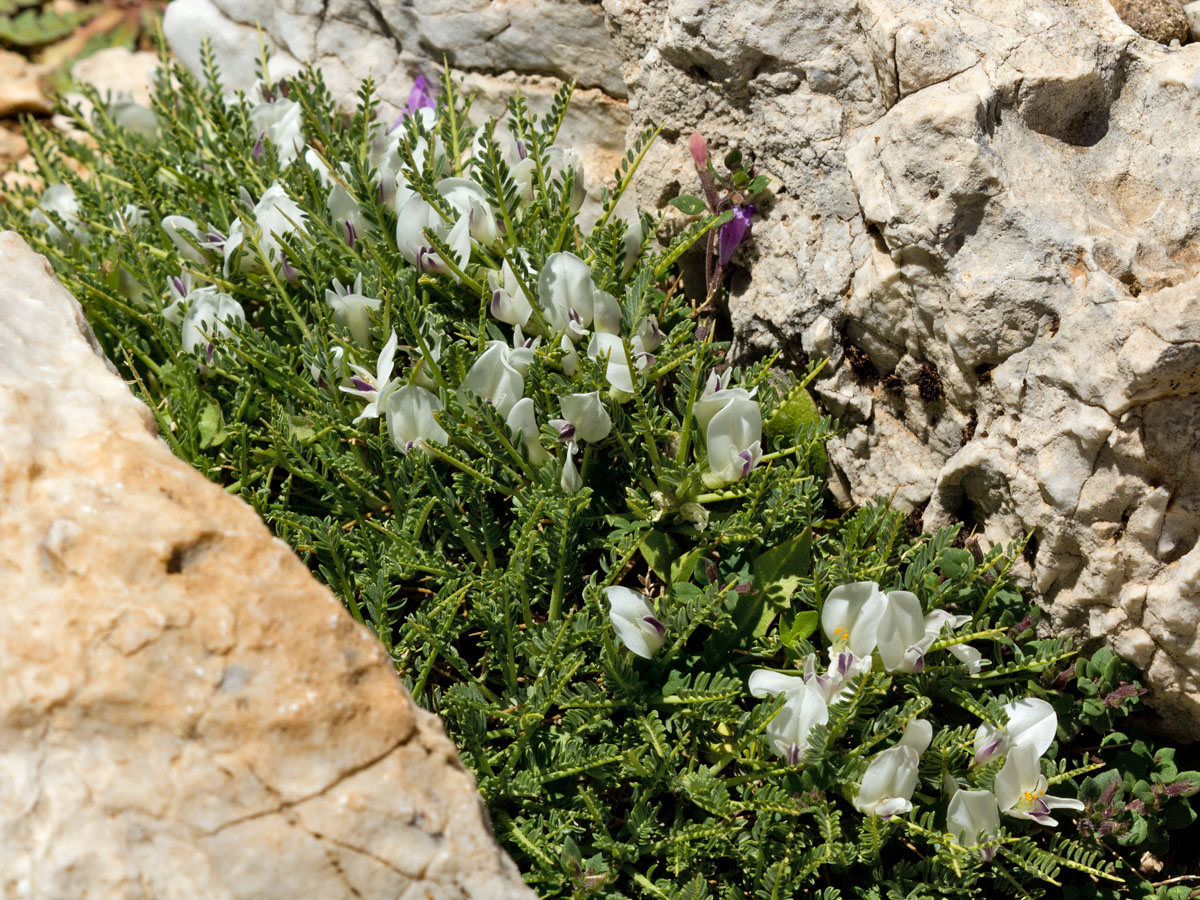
pixel 184 710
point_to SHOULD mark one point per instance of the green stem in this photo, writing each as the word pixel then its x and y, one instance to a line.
pixel 685 437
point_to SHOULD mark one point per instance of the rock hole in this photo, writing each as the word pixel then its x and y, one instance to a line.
pixel 860 363
pixel 969 430
pixel 185 555
pixel 1029 554
pixel 929 383
pixel 1074 111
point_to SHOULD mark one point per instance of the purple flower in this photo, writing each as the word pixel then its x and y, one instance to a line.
pixel 419 97
pixel 733 232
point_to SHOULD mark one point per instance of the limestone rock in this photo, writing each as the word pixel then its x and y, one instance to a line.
pixel 1159 20
pixel 20 87
pixel 184 711
pixel 1192 11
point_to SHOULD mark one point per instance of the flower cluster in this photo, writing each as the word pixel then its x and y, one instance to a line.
pixel 513 445
pixel 861 621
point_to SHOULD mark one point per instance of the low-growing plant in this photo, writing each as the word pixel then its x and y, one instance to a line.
pixel 516 450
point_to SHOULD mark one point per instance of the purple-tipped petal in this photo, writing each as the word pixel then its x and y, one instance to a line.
pixel 257 152
pixel 361 385
pixel 793 755
pixel 733 233
pixel 179 289
pixel 209 353
pixel 351 234
pixel 566 432
pixel 658 626
pixel 747 462
pixel 419 97
pixel 521 151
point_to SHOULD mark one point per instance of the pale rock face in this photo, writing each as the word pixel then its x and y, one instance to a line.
pixel 994 202
pixel 184 711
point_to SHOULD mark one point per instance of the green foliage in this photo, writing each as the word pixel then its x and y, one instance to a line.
pixel 606 775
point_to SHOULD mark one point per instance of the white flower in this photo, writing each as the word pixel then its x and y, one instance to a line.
pixel 176 227
pixel 132 215
pixel 202 314
pixel 804 708
pixel 570 359
pixel 410 421
pixel 632 245
pixel 333 368
pixel 133 116
pixel 888 784
pixel 350 309
pixel 469 200
pixel 498 376
pixel 584 418
pixel 1021 788
pixel 60 200
pixel 275 214
pixel 1029 722
pixel 522 423
pixel 509 301
pixel 558 162
pixel 280 123
pixel 570 480
pixel 835 684
pixel 566 294
pixel 633 619
pixel 649 337
pixel 413 218
pixel 344 209
pixel 374 388
pixel 606 312
pixel 612 349
pixel 850 617
pixel 973 816
pixel 384 153
pixel 732 423
pixel 938 621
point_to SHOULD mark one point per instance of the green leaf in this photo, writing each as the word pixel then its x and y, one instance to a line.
pixel 779 571
pixel 687 204
pixel 777 574
pixel 758 185
pixel 659 551
pixel 740 179
pixel 801 627
pixel 796 411
pixel 211 426
pixel 733 159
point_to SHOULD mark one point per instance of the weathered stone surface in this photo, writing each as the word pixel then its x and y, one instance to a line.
pixel 492 45
pixel 184 711
pixel 1192 11
pixel 991 205
pixel 20 87
pixel 1159 20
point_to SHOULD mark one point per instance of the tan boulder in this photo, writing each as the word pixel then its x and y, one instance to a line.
pixel 184 711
